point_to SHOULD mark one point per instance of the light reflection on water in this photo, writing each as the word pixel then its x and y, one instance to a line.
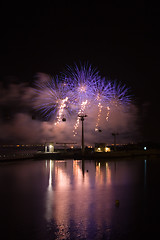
pixel 86 196
pixel 71 196
pixel 72 199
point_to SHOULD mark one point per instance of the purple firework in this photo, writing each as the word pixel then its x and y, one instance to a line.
pixel 82 81
pixel 79 89
pixel 119 94
pixel 51 97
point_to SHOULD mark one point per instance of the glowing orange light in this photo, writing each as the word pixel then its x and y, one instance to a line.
pixel 98 116
pixel 81 111
pixel 61 109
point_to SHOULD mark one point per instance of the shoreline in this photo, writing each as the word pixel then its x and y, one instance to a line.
pixel 78 155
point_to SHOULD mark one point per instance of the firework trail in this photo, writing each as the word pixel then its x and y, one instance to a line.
pixel 61 110
pixel 102 93
pixel 51 100
pixel 81 111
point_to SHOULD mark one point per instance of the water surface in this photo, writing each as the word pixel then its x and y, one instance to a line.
pixel 72 199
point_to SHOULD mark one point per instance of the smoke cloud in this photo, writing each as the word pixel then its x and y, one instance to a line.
pixel 20 124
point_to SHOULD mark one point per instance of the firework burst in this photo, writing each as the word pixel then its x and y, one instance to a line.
pixel 84 80
pixel 78 91
pixel 51 100
pixel 119 95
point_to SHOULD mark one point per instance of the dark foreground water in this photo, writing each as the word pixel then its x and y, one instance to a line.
pixel 74 200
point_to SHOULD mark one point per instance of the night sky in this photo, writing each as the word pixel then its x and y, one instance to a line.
pixel 120 39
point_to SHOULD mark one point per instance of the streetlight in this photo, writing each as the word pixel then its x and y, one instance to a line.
pixel 82 116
